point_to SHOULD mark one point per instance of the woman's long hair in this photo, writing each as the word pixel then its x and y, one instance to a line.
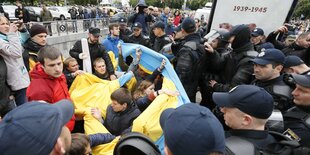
pixel 140 91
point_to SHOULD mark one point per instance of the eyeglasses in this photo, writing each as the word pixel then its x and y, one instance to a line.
pixel 136 29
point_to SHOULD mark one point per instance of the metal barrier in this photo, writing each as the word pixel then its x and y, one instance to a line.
pixel 64 27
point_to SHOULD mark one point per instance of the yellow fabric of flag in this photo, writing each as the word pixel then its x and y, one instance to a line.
pixel 88 91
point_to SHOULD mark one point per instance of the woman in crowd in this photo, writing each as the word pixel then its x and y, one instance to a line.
pixel 11 50
pixel 145 94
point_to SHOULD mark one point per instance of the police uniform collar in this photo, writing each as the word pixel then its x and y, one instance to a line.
pixel 303 108
pixel 253 134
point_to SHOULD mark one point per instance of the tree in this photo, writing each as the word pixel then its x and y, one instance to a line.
pixel 133 3
pixel 302 8
pixel 196 4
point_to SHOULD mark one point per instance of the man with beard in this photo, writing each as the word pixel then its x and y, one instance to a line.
pixel 96 50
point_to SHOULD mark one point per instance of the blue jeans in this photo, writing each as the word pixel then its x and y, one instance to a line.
pixel 20 96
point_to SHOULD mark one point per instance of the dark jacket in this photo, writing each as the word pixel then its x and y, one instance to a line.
pixel 210 73
pixel 5 89
pixel 73 13
pixel 292 49
pixel 25 14
pixel 296 119
pixel 123 34
pixel 143 19
pixel 69 77
pixel 185 62
pixel 160 42
pixel 260 139
pixel 236 67
pixel 299 51
pixel 272 38
pixel 30 52
pixel 144 102
pixel 169 29
pixel 141 39
pixel 105 76
pixel 121 122
pixel 279 90
pixel 96 51
pixel 100 138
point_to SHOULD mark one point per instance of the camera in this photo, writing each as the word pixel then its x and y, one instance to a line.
pixel 290 27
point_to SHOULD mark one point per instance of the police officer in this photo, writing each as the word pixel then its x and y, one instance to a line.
pixel 246 109
pixel 235 65
pixel 293 64
pixel 124 31
pixel 267 70
pixel 187 57
pixel 297 118
pixel 137 37
pixel 258 39
pixel 161 38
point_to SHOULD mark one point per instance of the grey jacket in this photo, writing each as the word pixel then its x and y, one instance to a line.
pixel 11 50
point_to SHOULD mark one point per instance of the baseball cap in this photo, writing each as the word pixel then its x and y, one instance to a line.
pixel 250 99
pixel 94 31
pixel 137 25
pixel 292 60
pixel 188 25
pixel 303 80
pixel 269 56
pixel 266 45
pixel 192 129
pixel 122 20
pixel 257 32
pixel 34 127
pixel 159 24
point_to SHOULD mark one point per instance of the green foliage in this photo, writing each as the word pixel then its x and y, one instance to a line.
pixel 196 4
pixel 303 7
pixel 117 2
pixel 133 2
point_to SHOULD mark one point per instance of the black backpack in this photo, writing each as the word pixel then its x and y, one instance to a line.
pixel 283 146
pixel 198 55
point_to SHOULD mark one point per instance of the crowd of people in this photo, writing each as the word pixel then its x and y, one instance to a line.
pixel 244 76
